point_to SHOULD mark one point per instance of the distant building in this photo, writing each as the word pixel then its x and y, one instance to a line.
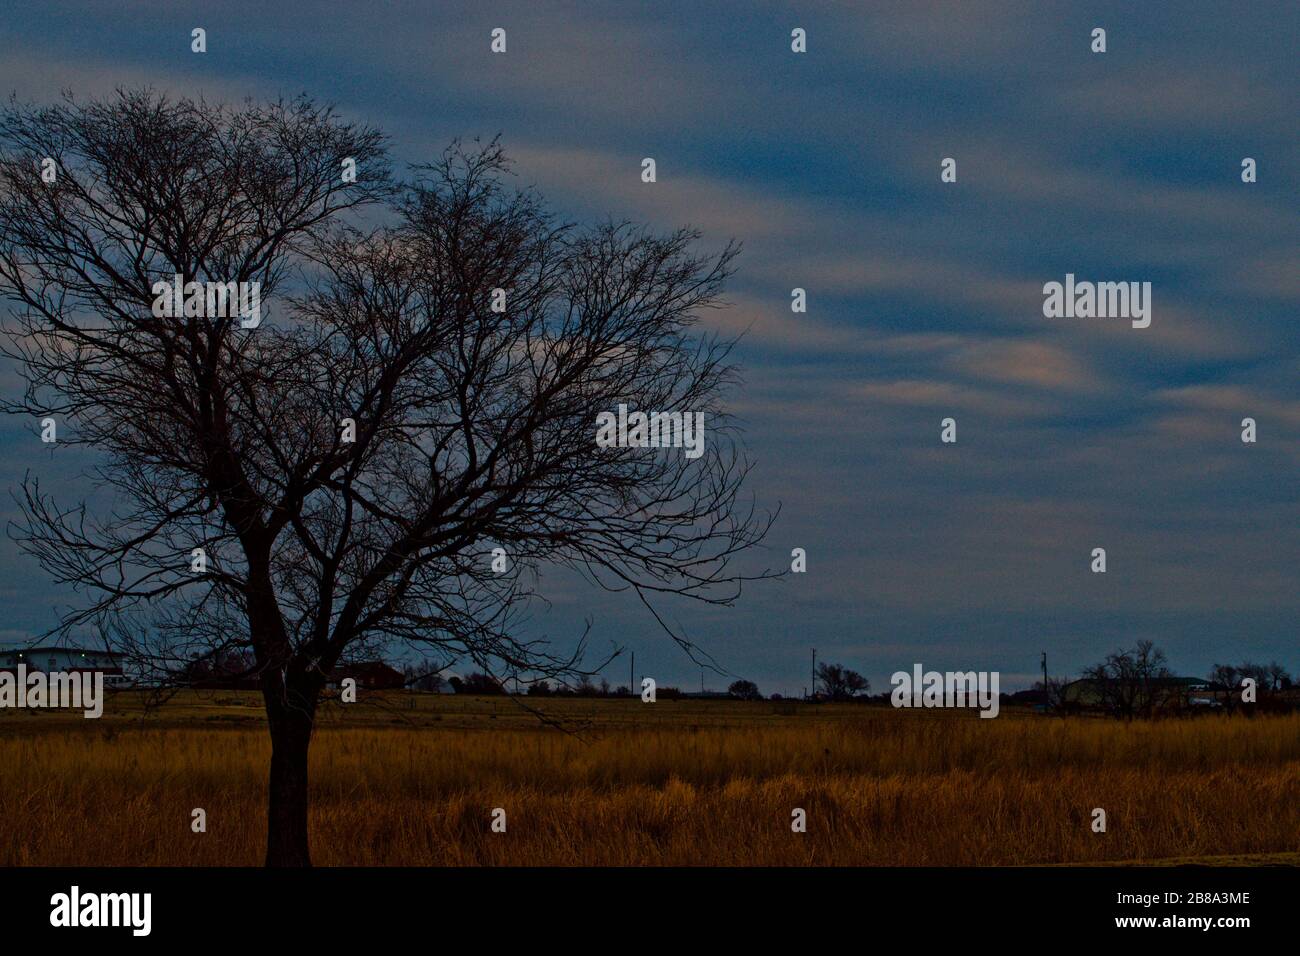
pixel 220 670
pixel 370 675
pixel 1158 692
pixel 49 658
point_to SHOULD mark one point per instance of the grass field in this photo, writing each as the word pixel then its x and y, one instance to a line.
pixel 413 779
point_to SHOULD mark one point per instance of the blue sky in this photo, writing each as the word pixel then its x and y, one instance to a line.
pixel 925 298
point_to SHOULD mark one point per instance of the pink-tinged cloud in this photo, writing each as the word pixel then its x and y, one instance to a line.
pixel 681 196
pixel 1019 362
pixel 1234 402
pixel 950 396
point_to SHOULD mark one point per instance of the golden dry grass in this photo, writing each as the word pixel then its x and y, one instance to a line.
pixel 703 784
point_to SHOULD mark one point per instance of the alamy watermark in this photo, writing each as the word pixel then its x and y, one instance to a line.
pixel 949 689
pixel 1098 300
pixel 212 300
pixel 75 690
pixel 75 908
pixel 653 430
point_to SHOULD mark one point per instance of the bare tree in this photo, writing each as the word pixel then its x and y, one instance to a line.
pixel 1056 696
pixel 1269 678
pixel 840 683
pixel 1133 682
pixel 1228 677
pixel 1261 674
pixel 424 677
pixel 349 468
pixel 1278 675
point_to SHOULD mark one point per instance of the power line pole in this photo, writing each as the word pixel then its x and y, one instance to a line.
pixel 631 675
pixel 814 675
pixel 1046 697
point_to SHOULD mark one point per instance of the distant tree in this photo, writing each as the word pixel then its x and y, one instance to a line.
pixel 840 683
pixel 481 684
pixel 1231 676
pixel 1133 682
pixel 1225 677
pixel 1278 675
pixel 744 690
pixel 541 688
pixel 1269 678
pixel 1261 674
pixel 1054 693
pixel 424 677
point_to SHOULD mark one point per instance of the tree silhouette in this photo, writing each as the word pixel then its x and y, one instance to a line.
pixel 744 690
pixel 840 683
pixel 1134 682
pixel 349 466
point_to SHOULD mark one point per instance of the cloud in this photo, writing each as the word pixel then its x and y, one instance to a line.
pixel 772 325
pixel 907 34
pixel 1035 364
pixel 1270 274
pixel 39 76
pixel 1171 95
pixel 1234 402
pixel 682 196
pixel 951 397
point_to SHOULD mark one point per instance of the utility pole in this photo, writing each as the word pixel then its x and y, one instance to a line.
pixel 814 675
pixel 631 675
pixel 1046 696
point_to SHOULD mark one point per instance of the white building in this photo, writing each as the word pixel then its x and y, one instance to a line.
pixel 65 659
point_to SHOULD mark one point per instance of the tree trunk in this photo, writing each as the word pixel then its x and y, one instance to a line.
pixel 291 727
